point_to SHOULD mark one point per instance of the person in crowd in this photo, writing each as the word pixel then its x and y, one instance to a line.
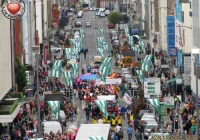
pixel 136 123
pixel 138 135
pixel 100 121
pixel 130 131
pixel 123 111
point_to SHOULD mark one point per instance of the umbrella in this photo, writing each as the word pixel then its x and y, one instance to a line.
pixel 88 77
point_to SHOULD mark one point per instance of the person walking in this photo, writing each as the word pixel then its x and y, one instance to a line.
pixel 130 131
pixel 138 135
pixel 87 111
pixel 85 54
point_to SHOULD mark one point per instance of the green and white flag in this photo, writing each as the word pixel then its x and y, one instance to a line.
pixel 126 30
pixel 101 31
pixel 102 104
pixel 55 109
pixel 136 50
pixel 76 52
pixel 131 43
pixel 75 69
pixel 142 46
pixel 99 41
pixel 140 74
pixel 69 81
pixel 101 52
pixel 96 138
pixel 105 47
pixel 82 33
pixel 72 41
pixel 105 62
pixel 67 74
pixel 68 53
pixel 156 104
pixel 137 37
pixel 146 63
pixel 56 68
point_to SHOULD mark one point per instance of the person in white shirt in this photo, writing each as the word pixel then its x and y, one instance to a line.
pixel 117 128
pixel 100 121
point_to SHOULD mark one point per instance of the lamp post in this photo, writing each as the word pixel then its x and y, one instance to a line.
pixel 196 53
pixel 36 50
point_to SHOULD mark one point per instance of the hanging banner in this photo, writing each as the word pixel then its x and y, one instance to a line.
pixel 55 109
pixel 127 99
pixel 179 35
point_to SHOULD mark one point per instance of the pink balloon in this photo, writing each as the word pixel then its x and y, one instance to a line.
pixel 76 130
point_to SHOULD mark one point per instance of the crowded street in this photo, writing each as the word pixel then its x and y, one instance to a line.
pixel 98 70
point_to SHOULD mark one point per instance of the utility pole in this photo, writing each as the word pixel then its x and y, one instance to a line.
pixel 150 16
pixel 38 98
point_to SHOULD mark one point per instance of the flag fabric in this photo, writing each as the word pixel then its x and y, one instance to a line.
pixel 136 50
pixel 96 138
pixel 105 62
pixel 69 81
pixel 55 109
pixel 146 63
pixel 105 68
pixel 76 52
pixel 105 47
pixel 67 74
pixel 156 104
pixel 102 104
pixel 56 68
pixel 131 43
pixel 99 41
pixel 68 53
pixel 72 41
pixel 101 52
pixel 68 78
pixel 137 37
pixel 140 74
pixel 142 46
pixel 101 31
pixel 75 69
pixel 82 33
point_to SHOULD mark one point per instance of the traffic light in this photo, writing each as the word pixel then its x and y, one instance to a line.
pixel 176 123
pixel 135 94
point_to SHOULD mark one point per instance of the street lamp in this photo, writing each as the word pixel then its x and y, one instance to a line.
pixel 36 50
pixel 196 53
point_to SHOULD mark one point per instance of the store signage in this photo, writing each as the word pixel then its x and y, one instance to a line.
pixel 171 36
pixel 151 87
pixel 13 9
pixel 179 35
pixel 169 102
pixel 184 1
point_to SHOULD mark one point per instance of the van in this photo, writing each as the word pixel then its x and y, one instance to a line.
pixel 150 124
pixel 49 126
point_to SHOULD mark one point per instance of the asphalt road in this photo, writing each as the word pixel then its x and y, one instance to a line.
pixel 90 42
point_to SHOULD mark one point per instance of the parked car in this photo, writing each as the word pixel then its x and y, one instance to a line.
pixel 97 59
pixel 78 24
pixel 88 24
pixel 150 124
pixel 111 33
pixel 102 15
pixel 79 15
pixel 55 49
pixel 111 26
pixel 107 12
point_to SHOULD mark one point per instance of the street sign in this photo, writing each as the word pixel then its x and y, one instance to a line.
pixel 151 87
pixel 169 102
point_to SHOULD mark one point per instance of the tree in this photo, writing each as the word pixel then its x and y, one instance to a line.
pixel 21 75
pixel 115 17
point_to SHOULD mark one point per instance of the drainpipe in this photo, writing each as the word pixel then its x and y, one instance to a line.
pixel 12 23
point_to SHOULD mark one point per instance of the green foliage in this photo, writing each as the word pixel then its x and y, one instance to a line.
pixel 16 95
pixel 115 17
pixel 21 75
pixel 7 107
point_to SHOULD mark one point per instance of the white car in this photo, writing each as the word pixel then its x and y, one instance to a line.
pixel 97 59
pixel 107 12
pixel 102 15
pixel 76 33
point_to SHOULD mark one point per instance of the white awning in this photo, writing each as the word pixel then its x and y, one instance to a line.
pixel 109 82
pixel 11 117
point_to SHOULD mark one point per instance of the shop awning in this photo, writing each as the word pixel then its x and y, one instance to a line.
pixel 171 80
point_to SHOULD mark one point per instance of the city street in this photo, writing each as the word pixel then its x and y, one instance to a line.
pixel 90 42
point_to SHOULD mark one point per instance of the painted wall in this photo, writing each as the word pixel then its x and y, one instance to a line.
pixel 38 8
pixel 163 28
pixel 187 32
pixel 5 56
